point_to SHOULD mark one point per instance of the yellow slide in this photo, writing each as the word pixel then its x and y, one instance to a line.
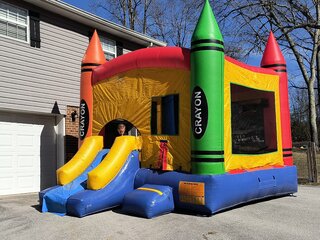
pixel 81 161
pixel 111 165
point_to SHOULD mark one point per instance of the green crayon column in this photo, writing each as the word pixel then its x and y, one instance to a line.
pixel 207 99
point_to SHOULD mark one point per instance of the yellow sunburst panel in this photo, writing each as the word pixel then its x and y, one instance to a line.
pixel 129 96
pixel 259 81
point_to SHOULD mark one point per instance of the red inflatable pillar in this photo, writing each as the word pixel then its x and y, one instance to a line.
pixel 273 58
pixel 93 57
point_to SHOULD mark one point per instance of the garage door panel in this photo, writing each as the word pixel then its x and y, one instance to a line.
pixel 4 126
pixel 27 161
pixel 6 161
pixel 6 183
pixel 37 141
pixel 27 148
pixel 26 140
pixel 6 140
pixel 25 182
pixel 27 171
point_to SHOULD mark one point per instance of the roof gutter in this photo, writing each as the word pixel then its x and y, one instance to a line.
pixel 94 21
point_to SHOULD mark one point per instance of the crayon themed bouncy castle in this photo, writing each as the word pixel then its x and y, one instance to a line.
pixel 204 132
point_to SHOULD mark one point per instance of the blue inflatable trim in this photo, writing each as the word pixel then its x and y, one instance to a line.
pixel 223 191
pixel 91 201
pixel 149 201
pixel 54 199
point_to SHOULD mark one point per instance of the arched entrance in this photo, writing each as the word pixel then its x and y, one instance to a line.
pixel 109 131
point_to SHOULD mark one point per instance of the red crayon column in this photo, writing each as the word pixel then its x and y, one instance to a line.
pixel 273 58
pixel 93 57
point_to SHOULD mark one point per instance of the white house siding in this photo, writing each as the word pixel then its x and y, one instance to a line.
pixel 34 83
pixel 34 79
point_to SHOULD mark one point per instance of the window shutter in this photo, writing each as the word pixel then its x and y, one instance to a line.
pixel 34 29
pixel 119 49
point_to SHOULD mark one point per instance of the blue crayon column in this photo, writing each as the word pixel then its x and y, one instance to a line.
pixel 207 99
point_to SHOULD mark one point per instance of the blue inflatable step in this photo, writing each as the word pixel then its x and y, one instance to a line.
pixel 149 201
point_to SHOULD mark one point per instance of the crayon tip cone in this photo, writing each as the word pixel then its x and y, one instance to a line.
pixel 207 26
pixel 94 53
pixel 272 54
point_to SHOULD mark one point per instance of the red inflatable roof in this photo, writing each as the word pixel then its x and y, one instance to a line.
pixel 158 57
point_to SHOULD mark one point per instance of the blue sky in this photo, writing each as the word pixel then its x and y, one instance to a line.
pixel 83 4
pixel 252 60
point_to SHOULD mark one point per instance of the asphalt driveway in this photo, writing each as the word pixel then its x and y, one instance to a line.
pixel 291 217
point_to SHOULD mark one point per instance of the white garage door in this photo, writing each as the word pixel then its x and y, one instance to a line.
pixel 27 152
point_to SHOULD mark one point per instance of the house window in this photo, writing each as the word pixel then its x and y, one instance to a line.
pixel 109 47
pixel 13 22
pixel 165 115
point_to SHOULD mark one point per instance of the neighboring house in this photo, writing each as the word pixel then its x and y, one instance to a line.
pixel 42 43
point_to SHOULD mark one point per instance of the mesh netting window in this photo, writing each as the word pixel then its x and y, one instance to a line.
pixel 253 121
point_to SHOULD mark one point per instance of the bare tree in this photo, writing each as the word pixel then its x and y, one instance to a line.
pixel 146 6
pixel 174 21
pixel 299 115
pixel 124 12
pixel 297 27
pixel 171 21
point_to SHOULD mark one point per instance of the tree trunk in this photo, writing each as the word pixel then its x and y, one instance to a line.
pixel 318 82
pixel 145 10
pixel 131 14
pixel 124 12
pixel 317 42
pixel 317 76
pixel 313 113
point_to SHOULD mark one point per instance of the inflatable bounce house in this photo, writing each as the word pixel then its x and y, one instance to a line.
pixel 204 132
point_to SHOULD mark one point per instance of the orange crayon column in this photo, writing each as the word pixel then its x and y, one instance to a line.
pixel 93 57
pixel 273 59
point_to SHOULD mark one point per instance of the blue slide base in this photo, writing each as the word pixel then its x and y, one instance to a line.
pixel 43 192
pixel 226 190
pixel 54 199
pixel 92 201
pixel 149 204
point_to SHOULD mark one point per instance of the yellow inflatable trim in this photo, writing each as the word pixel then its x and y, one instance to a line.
pixel 151 190
pixel 111 165
pixel 81 161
